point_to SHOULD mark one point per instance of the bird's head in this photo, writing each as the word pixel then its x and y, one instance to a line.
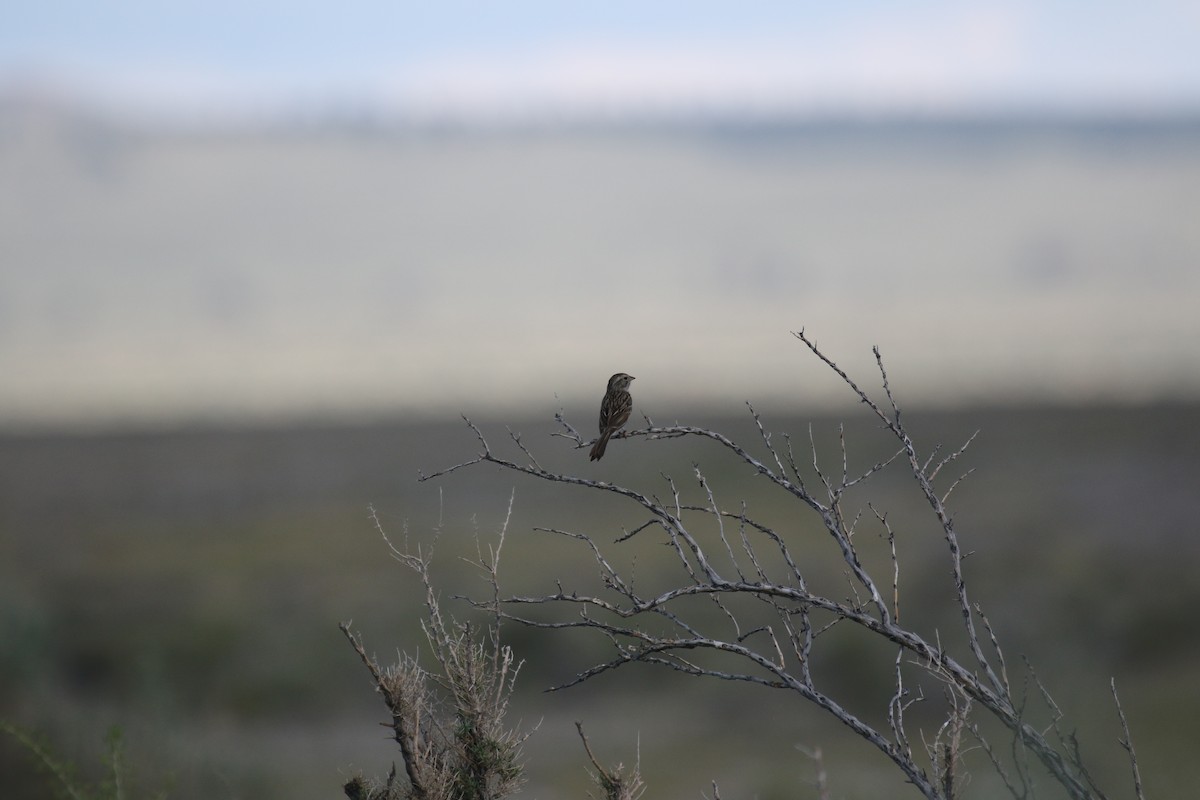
pixel 619 381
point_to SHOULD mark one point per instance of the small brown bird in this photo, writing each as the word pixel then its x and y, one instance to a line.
pixel 614 411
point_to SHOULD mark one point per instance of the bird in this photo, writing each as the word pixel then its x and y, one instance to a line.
pixel 614 411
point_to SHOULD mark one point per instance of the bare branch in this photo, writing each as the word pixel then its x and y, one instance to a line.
pixel 516 437
pixel 1127 742
pixel 571 433
pixel 770 619
pixel 821 781
pixel 952 457
pixel 615 783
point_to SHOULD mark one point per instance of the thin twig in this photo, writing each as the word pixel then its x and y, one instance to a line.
pixel 1127 742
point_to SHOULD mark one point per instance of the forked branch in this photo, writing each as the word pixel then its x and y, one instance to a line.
pixel 769 620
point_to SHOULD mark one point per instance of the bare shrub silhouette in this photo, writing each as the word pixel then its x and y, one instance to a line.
pixel 449 723
pixel 763 621
pixel 615 783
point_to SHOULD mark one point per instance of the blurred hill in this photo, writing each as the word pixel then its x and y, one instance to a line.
pixel 187 586
pixel 288 268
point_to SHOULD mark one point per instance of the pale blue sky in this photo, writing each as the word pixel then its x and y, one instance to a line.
pixel 615 56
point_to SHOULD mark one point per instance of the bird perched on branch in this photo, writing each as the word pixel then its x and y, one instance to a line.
pixel 614 411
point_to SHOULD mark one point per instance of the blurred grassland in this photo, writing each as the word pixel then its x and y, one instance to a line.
pixel 187 586
pixel 276 272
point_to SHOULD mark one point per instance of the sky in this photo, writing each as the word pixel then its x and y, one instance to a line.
pixel 537 56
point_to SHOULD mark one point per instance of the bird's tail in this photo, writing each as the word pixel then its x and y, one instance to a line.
pixel 598 447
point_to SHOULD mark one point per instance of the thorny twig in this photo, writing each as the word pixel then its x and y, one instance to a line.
pixel 983 684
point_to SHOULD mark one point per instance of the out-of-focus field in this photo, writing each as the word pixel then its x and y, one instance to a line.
pixel 187 587
pixel 282 273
